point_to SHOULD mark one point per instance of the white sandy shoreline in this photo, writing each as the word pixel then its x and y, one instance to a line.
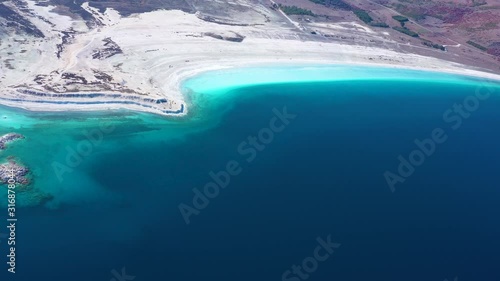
pixel 163 49
pixel 188 74
pixel 391 69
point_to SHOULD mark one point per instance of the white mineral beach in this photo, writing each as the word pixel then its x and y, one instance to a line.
pixel 163 48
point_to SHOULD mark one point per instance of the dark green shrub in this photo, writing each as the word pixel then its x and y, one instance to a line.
pixel 294 10
pixel 434 45
pixel 406 31
pixel 474 44
pixel 400 18
pixel 379 24
pixel 362 15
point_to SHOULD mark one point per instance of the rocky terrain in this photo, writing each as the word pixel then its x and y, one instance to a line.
pixel 12 171
pixel 13 168
pixel 10 137
pixel 466 31
pixel 67 51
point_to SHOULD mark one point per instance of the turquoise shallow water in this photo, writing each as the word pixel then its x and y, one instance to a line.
pixel 322 175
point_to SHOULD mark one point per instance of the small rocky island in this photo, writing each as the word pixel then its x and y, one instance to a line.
pixel 27 195
pixel 10 137
pixel 12 168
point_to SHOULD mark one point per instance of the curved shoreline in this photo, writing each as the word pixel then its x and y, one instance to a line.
pixel 38 101
pixel 162 49
pixel 32 100
pixel 304 73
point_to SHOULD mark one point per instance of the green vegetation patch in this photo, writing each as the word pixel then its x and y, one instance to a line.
pixel 362 15
pixel 417 13
pixel 406 31
pixel 400 18
pixel 478 3
pixel 294 10
pixel 338 4
pixel 474 44
pixel 322 2
pixel 434 45
pixel 379 24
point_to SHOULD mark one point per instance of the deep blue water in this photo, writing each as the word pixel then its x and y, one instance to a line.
pixel 323 175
